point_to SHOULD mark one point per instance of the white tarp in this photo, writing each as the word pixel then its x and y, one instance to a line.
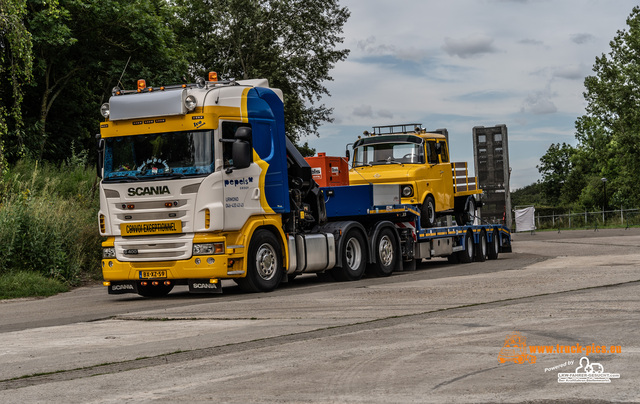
pixel 525 219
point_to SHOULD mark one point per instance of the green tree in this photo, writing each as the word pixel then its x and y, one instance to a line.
pixel 555 167
pixel 15 69
pixel 292 43
pixel 81 49
pixel 611 141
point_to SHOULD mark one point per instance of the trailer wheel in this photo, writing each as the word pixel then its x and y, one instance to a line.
pixel 386 254
pixel 264 268
pixel 353 258
pixel 494 246
pixel 466 255
pixel 481 247
pixel 428 213
pixel 154 291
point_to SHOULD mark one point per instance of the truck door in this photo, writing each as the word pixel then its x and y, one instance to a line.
pixel 439 174
pixel 241 187
pixel 447 175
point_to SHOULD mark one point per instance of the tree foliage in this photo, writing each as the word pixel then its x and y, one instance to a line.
pixel 15 68
pixel 292 43
pixel 61 58
pixel 608 135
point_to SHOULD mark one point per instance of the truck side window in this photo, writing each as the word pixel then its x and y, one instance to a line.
pixel 432 154
pixel 444 153
pixel 228 131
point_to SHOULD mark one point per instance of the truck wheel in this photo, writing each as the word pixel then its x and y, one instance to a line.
pixel 353 258
pixel 428 213
pixel 494 246
pixel 464 210
pixel 386 254
pixel 264 268
pixel 154 291
pixel 481 247
pixel 466 255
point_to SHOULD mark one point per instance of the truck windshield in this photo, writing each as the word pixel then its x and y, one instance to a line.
pixel 144 157
pixel 388 153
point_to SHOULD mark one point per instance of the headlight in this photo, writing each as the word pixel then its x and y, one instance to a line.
pixel 190 103
pixel 104 110
pixel 407 191
pixel 208 248
pixel 109 252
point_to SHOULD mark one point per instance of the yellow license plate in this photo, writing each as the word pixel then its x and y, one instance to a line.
pixel 153 274
pixel 147 228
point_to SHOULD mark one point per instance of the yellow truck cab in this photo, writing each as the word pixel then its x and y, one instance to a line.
pixel 418 161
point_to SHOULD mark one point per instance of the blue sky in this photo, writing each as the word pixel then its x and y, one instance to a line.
pixel 465 63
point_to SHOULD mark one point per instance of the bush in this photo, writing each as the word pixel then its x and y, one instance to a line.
pixel 48 221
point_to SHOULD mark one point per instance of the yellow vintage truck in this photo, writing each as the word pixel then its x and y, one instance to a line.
pixel 418 161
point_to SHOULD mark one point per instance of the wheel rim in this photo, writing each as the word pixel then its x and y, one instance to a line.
pixel 431 212
pixel 470 247
pixel 385 251
pixel 266 262
pixel 496 243
pixel 353 253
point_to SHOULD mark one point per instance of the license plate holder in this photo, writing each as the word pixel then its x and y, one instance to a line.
pixel 152 274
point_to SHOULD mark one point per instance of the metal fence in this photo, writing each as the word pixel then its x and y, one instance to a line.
pixel 586 220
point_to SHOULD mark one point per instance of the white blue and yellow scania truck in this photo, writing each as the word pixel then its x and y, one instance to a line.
pixel 200 184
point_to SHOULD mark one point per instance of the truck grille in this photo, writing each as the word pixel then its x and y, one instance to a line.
pixel 154 248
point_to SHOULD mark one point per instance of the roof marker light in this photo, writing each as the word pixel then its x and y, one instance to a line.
pixel 141 85
pixel 213 76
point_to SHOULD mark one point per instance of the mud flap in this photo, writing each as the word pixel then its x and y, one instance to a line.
pixel 204 286
pixel 122 287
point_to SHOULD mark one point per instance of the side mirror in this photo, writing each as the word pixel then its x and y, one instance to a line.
pixel 241 150
pixel 100 148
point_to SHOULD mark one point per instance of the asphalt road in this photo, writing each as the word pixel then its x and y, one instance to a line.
pixel 433 335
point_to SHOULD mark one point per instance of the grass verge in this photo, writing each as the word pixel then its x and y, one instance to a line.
pixel 29 284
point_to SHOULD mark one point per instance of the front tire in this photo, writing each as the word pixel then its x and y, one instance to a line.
pixel 354 260
pixel 264 263
pixel 428 213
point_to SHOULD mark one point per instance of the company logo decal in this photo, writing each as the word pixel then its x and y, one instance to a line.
pixel 587 372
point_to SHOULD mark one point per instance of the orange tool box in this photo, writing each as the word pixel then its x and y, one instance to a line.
pixel 329 171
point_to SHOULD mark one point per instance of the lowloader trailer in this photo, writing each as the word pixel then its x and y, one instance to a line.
pixel 199 183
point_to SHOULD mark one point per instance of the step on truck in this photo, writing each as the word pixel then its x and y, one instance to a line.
pixel 199 183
